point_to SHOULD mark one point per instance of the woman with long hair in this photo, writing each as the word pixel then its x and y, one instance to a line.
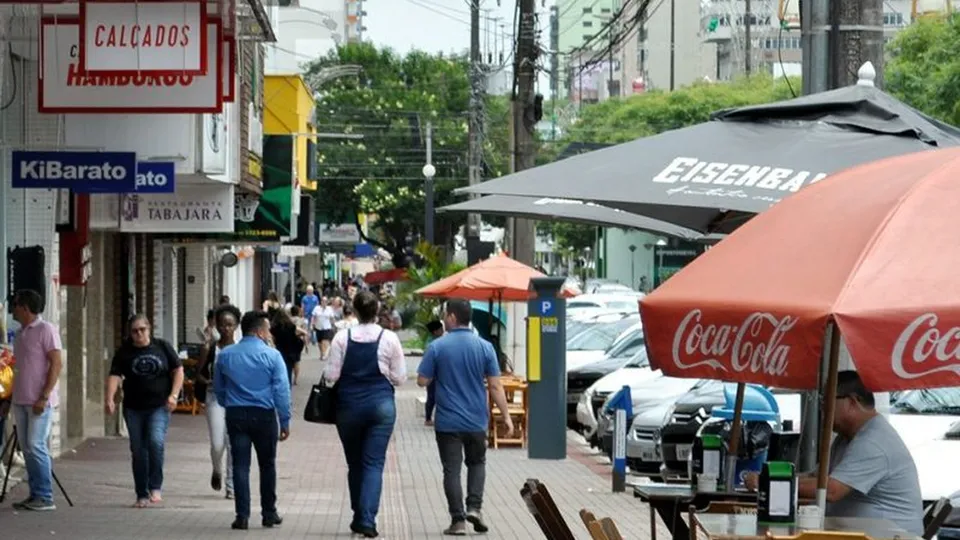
pixel 323 320
pixel 367 362
pixel 272 303
pixel 152 376
pixel 227 320
pixel 288 339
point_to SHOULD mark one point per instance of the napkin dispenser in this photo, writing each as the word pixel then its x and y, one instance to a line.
pixel 706 457
pixel 777 493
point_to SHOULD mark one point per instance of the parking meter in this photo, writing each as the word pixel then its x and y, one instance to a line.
pixel 621 405
pixel 547 370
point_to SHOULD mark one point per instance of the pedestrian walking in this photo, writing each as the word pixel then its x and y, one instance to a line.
pixel 228 321
pixel 37 350
pixel 322 322
pixel 367 361
pixel 152 376
pixel 288 339
pixel 251 382
pixel 460 362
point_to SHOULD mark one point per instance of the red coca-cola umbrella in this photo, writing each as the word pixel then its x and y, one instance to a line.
pixel 870 252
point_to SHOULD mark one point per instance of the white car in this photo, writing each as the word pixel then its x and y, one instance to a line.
pixel 592 344
pixel 928 421
pixel 647 388
pixel 627 301
pixel 643 448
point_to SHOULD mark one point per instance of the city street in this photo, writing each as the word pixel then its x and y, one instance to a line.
pixel 312 488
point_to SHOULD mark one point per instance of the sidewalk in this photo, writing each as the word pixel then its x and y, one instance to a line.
pixel 312 488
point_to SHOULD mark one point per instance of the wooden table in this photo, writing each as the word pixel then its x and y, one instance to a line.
pixel 671 502
pixel 512 387
pixel 745 526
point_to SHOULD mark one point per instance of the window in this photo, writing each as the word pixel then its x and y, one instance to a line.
pixel 893 19
pixel 588 24
pixel 587 10
pixel 605 10
pixel 587 37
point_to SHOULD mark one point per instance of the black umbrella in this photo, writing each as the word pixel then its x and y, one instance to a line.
pixel 545 208
pixel 713 176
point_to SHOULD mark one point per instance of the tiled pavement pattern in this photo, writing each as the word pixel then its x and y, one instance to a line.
pixel 312 488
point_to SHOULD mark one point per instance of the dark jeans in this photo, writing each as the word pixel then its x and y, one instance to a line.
pixel 365 434
pixel 148 430
pixel 431 400
pixel 254 427
pixel 455 449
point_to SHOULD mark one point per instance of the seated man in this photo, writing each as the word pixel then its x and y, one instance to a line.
pixel 872 474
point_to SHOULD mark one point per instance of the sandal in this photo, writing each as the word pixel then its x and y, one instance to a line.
pixel 141 503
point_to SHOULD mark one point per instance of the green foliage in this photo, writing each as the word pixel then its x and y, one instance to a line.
pixel 390 104
pixel 433 267
pixel 924 67
pixel 571 238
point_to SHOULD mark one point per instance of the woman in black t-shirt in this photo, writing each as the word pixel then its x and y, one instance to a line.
pixel 152 376
pixel 289 340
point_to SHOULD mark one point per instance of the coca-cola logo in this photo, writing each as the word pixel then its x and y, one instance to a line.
pixel 756 345
pixel 921 341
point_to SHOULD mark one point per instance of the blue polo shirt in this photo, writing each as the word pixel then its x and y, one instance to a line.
pixel 309 302
pixel 459 362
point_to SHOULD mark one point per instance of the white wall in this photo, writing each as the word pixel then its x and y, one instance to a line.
pixel 303 34
pixel 618 256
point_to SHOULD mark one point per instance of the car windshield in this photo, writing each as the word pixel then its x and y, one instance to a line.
pixel 574 328
pixel 626 306
pixel 627 346
pixel 935 401
pixel 575 305
pixel 599 337
pixel 639 359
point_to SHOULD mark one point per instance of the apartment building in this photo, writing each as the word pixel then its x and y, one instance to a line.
pixel 308 29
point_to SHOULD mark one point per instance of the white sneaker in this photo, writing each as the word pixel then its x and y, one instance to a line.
pixel 18 459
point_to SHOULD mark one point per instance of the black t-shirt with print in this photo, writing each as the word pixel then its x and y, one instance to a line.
pixel 147 373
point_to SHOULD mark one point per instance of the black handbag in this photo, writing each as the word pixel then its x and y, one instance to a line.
pixel 322 405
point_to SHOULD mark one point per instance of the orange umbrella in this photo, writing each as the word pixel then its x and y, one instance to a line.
pixel 872 249
pixel 497 278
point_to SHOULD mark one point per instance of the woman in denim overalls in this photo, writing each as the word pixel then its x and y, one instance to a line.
pixel 367 361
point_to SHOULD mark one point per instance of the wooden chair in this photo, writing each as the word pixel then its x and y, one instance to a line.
pixel 545 511
pixel 518 413
pixel 719 507
pixel 602 529
pixel 934 516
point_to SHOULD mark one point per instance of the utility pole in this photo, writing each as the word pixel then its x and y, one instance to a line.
pixel 428 172
pixel 838 37
pixel 474 126
pixel 673 45
pixel 747 38
pixel 526 114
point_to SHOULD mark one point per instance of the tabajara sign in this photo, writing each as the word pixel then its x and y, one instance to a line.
pixel 194 208
pixel 65 89
pixel 143 38
pixel 91 172
pixel 694 171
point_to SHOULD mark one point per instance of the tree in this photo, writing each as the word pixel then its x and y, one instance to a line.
pixel 924 68
pixel 616 121
pixel 387 107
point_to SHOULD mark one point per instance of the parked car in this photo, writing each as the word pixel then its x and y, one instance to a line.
pixel 591 344
pixel 629 350
pixel 634 375
pixel 625 300
pixel 646 395
pixel 691 411
pixel 928 421
pixel 643 440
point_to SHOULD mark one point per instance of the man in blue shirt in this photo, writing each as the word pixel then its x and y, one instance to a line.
pixel 459 363
pixel 250 381
pixel 309 302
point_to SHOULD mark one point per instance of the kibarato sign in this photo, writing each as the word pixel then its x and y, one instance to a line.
pixel 82 172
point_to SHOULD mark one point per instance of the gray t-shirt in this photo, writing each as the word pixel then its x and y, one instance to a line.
pixel 883 477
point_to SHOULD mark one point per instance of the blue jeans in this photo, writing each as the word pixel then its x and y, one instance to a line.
pixel 256 428
pixel 365 433
pixel 33 430
pixel 148 431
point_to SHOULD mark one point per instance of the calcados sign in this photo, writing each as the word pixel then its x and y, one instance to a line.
pixel 756 345
pixel 922 349
pixel 65 89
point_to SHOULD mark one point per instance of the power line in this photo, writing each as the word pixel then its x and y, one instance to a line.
pixel 437 11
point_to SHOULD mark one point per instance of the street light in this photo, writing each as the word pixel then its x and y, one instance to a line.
pixel 429 171
pixel 633 274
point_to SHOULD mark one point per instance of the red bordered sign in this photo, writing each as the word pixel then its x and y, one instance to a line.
pixel 153 37
pixel 228 56
pixel 63 89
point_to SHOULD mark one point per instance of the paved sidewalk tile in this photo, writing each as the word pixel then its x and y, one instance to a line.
pixel 312 488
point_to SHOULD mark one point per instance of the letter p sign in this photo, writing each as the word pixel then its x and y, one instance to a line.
pixel 546 307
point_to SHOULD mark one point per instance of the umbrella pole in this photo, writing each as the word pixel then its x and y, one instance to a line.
pixel 826 426
pixel 730 476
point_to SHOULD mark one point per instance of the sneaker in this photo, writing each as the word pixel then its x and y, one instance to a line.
pixel 476 519
pixel 216 482
pixel 22 505
pixel 456 528
pixel 229 493
pixel 39 505
pixel 271 520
